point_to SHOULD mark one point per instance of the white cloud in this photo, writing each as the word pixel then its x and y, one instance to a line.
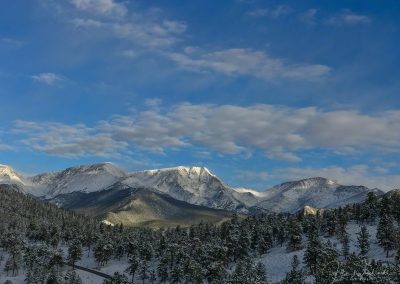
pixel 275 12
pixel 140 31
pixel 5 147
pixel 246 61
pixel 66 140
pixel 140 28
pixel 103 7
pixel 174 26
pixel 279 132
pixel 348 18
pixel 161 35
pixel 47 78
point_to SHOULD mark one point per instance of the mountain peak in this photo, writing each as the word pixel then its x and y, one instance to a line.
pixel 84 178
pixel 195 185
pixel 9 175
pixel 195 170
pixel 106 167
pixel 319 181
pixel 186 170
pixel 309 183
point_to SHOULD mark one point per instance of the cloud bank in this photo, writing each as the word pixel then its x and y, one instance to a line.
pixel 280 132
pixel 248 62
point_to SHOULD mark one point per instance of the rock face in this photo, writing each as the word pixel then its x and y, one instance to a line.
pixel 311 211
pixel 195 186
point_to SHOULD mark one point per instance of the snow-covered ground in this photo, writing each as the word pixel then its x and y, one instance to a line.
pixel 277 260
pixel 87 262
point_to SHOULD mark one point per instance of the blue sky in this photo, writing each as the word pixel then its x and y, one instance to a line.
pixel 257 91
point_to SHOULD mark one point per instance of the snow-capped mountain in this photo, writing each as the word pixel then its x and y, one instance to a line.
pixel 195 185
pixel 9 176
pixel 85 178
pixel 315 192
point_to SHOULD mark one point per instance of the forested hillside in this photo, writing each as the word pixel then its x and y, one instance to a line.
pixel 37 237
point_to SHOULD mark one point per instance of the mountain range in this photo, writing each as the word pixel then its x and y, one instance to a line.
pixel 173 196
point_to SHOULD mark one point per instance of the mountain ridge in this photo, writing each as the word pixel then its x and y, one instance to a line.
pixel 139 207
pixel 193 185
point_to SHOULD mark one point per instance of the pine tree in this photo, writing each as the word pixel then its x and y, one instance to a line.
pixel 370 210
pixel 196 272
pixel 327 264
pixel 244 245
pixel 72 278
pixel 239 275
pixel 143 267
pixel 162 270
pixel 397 257
pixel 354 268
pixel 152 276
pixel 14 245
pixel 313 250
pixel 117 278
pixel 103 251
pixel 385 233
pixel 133 266
pixel 177 274
pixel 331 224
pixel 345 244
pixel 74 252
pixel 363 241
pixel 295 275
pixel 54 277
pixel 119 250
pixel 260 274
pixel 216 273
pixel 295 236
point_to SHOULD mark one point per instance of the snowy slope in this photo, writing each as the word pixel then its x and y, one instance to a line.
pixel 85 178
pixel 195 185
pixel 121 204
pixel 9 176
pixel 315 192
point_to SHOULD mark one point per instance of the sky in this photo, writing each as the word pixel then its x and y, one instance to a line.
pixel 259 92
